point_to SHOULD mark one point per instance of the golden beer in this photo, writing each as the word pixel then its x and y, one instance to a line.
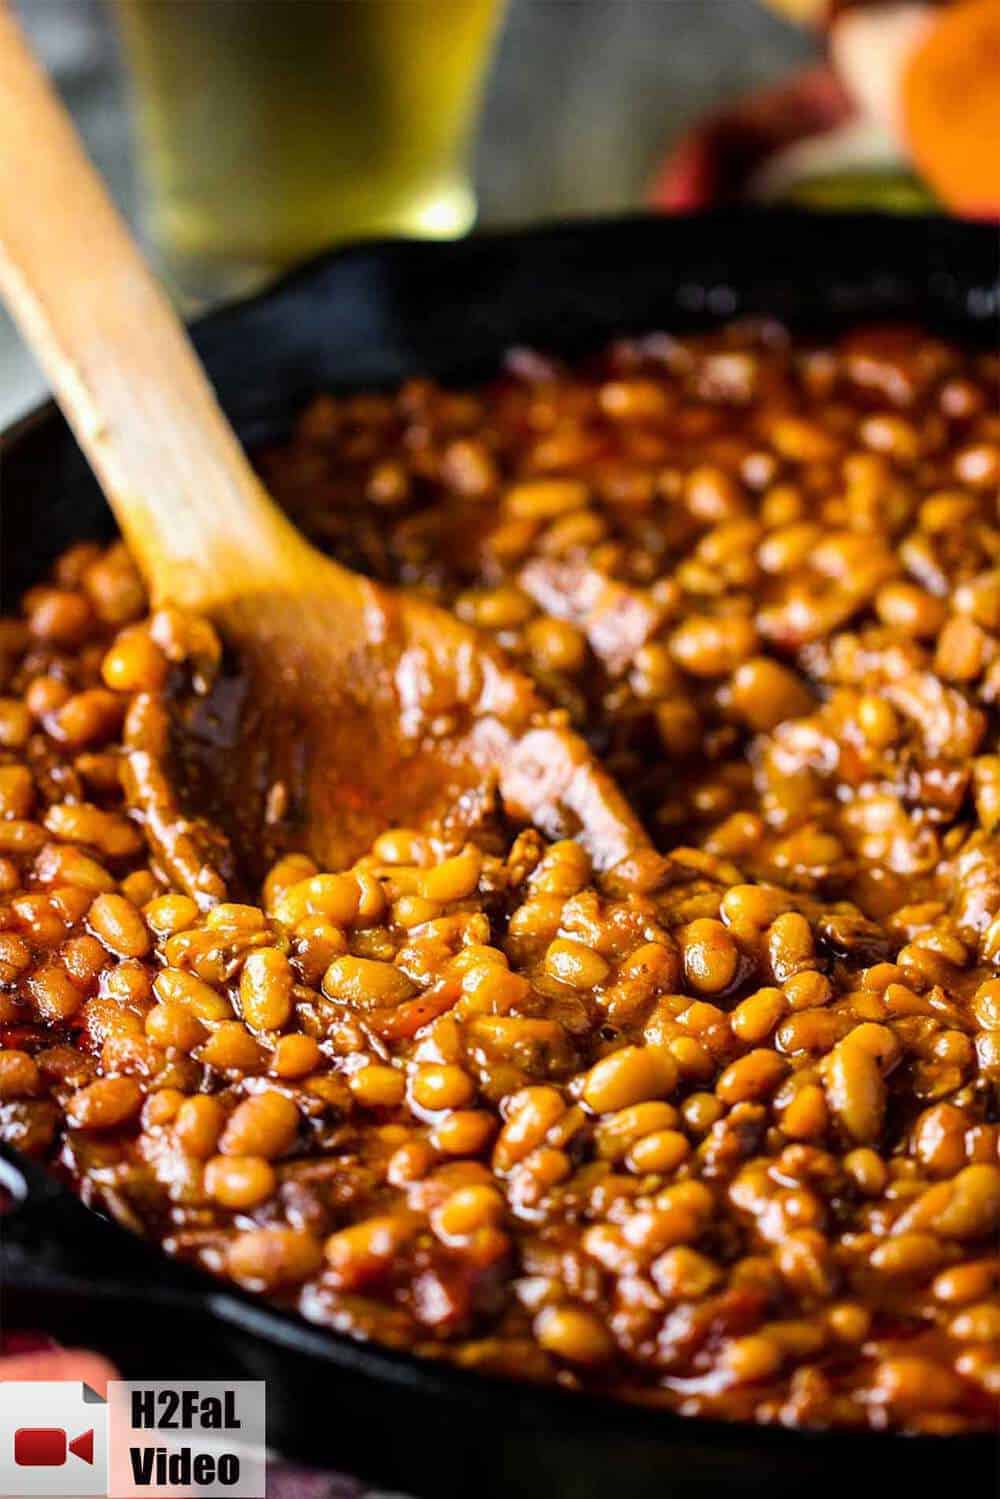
pixel 270 128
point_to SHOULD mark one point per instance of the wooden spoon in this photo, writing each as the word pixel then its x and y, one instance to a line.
pixel 366 707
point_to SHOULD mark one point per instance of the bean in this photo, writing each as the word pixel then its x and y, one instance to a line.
pixel 265 1258
pixel 265 1124
pixel 377 1086
pixel 266 984
pixel 573 963
pixel 119 926
pixel 710 956
pixel 366 983
pixel 442 1087
pixel 239 1181
pixel 575 1334
pixel 361 1253
pixel 751 1077
pixel 198 1124
pixel 104 1104
pixel 628 1076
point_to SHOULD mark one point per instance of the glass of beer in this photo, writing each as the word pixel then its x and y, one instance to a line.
pixel 269 129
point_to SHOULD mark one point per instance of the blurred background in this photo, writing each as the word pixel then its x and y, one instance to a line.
pixel 582 99
pixel 240 136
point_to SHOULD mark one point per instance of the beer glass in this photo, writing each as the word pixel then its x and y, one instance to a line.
pixel 268 129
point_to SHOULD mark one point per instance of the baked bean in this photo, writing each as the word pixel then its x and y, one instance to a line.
pixel 763 693
pixel 59 865
pixel 15 723
pixel 807 990
pixel 867 1170
pixel 710 956
pixel 682 1273
pixel 19 1075
pixel 573 963
pixel 723 1111
pixel 790 945
pixel 916 1384
pixel 442 1087
pixel 530 1114
pixel 756 1016
pixel 333 896
pixel 167 914
pixel 619 1132
pixel 104 1104
pixel 239 1181
pixel 114 837
pixel 963 1283
pixel 295 1056
pixel 231 1047
pixel 265 1124
pixel 467 1210
pixel 117 923
pixel 87 718
pixel 453 879
pixel 463 1132
pixel 908 1254
pixel 563 870
pixel 17 791
pixel 289 871
pixel 378 1087
pixel 365 982
pixel 627 1077
pixel 198 1124
pixel 265 1258
pixel 59 616
pixel 541 499
pixel 83 958
pixel 977 1324
pixel 910 610
pixel 21 837
pixel 855 1088
pixel 54 995
pixel 173 1025
pixel 363 1252
pixel 174 986
pixel 555 645
pixel 135 663
pixel 266 989
pixel 575 1334
pixel 752 1357
pixel 709 647
pixel 663 1150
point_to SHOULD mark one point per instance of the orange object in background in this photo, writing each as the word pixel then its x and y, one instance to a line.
pixel 951 107
pixel 807 12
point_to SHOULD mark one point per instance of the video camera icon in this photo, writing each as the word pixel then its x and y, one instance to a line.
pixel 53 1440
pixel 50 1446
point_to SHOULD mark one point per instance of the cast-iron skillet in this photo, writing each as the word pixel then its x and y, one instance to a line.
pixel 371 316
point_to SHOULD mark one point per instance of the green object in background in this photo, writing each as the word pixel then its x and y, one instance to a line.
pixel 887 190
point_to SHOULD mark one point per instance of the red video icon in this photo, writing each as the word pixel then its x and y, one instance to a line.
pixel 47 1446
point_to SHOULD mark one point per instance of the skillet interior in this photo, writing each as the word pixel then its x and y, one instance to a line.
pixel 370 317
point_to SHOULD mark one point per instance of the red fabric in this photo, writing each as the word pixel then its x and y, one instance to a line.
pixel 712 164
pixel 45 1361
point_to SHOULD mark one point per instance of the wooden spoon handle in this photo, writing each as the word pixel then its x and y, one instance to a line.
pixel 192 510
